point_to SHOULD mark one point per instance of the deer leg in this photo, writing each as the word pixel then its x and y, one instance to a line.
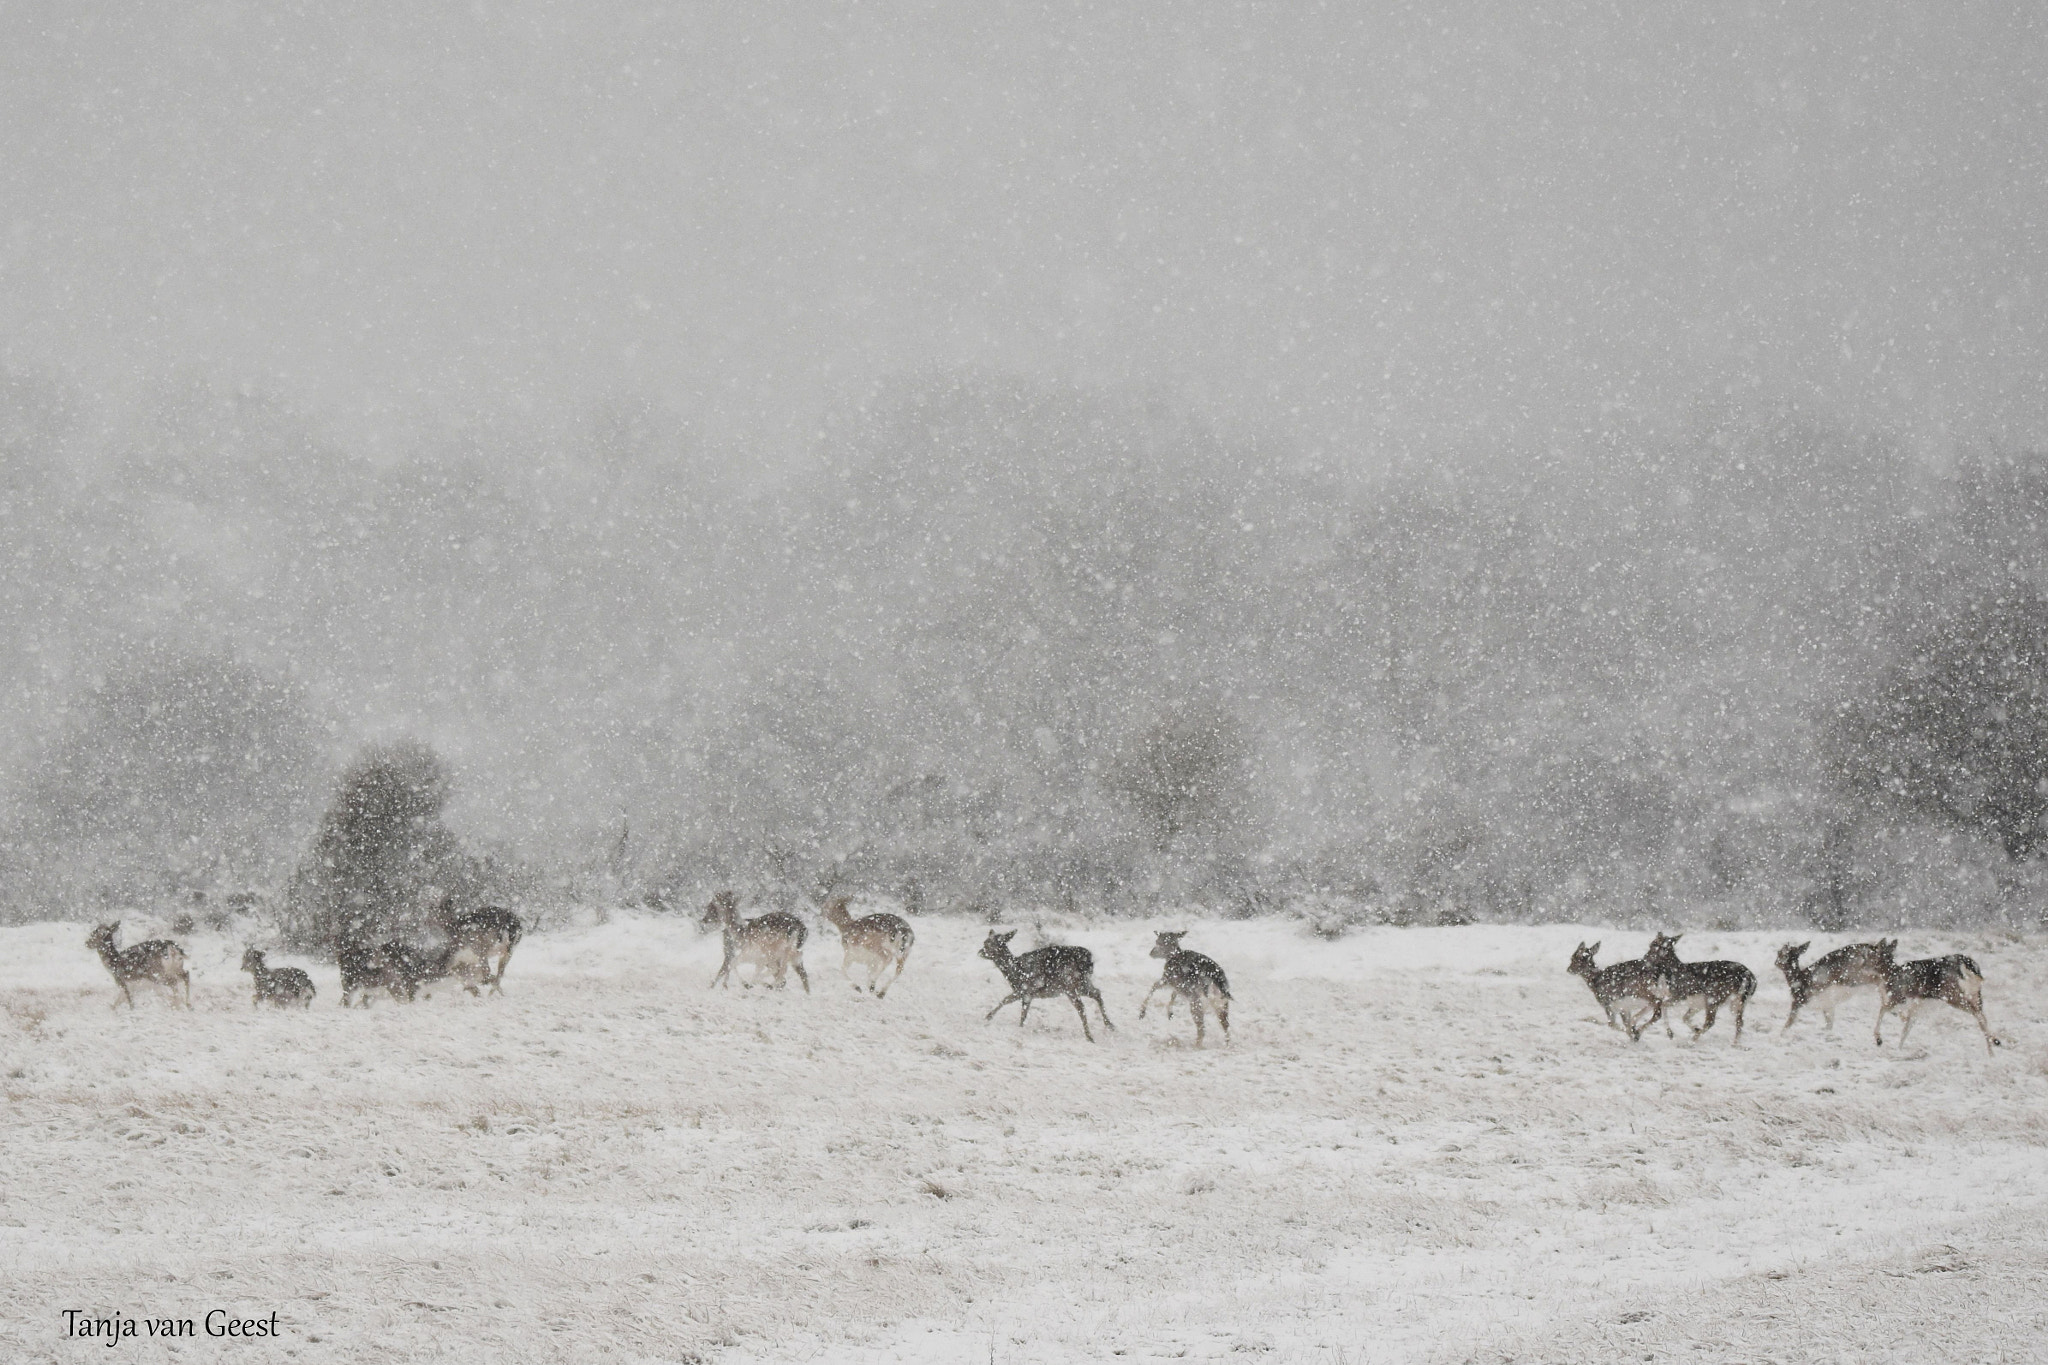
pixel 1738 1005
pixel 1148 999
pixel 1078 1009
pixel 1990 1038
pixel 801 974
pixel 999 1004
pixel 1792 1016
pixel 1096 996
pixel 1223 1016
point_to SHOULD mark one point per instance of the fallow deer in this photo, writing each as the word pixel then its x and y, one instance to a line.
pixel 1618 982
pixel 1701 985
pixel 879 942
pixel 1191 977
pixel 1859 966
pixel 391 966
pixel 479 944
pixel 281 986
pixel 1043 973
pixel 772 943
pixel 158 960
pixel 1953 980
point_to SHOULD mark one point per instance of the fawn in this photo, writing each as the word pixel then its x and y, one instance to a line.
pixel 1829 978
pixel 1707 985
pixel 1617 982
pixel 774 942
pixel 281 986
pixel 879 941
pixel 158 960
pixel 1953 980
pixel 1191 977
pixel 1043 973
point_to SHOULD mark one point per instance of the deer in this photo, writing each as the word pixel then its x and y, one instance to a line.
pixel 474 939
pixel 1191 977
pixel 281 986
pixel 1953 980
pixel 158 960
pixel 773 942
pixel 1043 973
pixel 1617 982
pixel 1701 985
pixel 878 941
pixel 1829 978
pixel 391 966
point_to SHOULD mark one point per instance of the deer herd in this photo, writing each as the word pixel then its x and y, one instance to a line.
pixel 475 946
pixel 1636 994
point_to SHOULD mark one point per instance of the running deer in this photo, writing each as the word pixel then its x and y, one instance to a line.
pixel 390 966
pixel 281 986
pixel 1701 985
pixel 774 942
pixel 879 942
pixel 1191 977
pixel 158 960
pixel 479 944
pixel 1043 973
pixel 1857 967
pixel 1618 982
pixel 1953 980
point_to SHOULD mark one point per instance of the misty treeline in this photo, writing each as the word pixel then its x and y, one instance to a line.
pixel 998 645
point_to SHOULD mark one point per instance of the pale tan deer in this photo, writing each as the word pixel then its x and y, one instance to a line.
pixel 479 944
pixel 1858 966
pixel 158 960
pixel 772 943
pixel 879 942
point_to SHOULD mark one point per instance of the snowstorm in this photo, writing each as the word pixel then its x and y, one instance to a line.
pixel 588 587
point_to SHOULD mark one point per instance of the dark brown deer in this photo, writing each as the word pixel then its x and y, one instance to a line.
pixel 1859 966
pixel 1953 980
pixel 158 960
pixel 281 986
pixel 878 942
pixel 1701 985
pixel 479 944
pixel 1617 983
pixel 1191 977
pixel 772 943
pixel 1043 973
pixel 393 967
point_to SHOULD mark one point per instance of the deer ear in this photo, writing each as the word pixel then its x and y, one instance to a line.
pixel 1594 949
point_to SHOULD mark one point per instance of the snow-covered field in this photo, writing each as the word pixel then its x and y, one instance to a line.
pixel 1422 1145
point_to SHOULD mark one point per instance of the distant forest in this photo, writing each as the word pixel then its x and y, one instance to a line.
pixel 1001 645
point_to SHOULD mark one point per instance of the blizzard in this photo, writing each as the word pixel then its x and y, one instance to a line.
pixel 1420 1144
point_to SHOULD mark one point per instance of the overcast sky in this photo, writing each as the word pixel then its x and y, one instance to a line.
pixel 1361 224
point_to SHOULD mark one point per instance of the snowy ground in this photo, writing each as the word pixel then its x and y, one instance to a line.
pixel 1421 1146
